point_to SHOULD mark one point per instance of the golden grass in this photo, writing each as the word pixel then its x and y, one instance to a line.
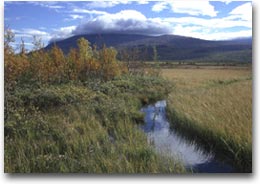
pixel 190 78
pixel 219 101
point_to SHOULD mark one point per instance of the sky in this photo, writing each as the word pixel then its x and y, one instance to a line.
pixel 51 21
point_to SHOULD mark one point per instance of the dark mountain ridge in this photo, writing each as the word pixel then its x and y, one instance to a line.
pixel 169 47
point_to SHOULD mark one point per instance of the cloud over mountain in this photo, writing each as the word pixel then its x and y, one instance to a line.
pixel 200 19
pixel 125 21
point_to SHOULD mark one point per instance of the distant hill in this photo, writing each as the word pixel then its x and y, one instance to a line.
pixel 169 47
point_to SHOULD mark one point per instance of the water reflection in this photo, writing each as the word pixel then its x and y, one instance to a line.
pixel 168 142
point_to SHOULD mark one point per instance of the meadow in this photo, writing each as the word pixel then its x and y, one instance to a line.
pixel 78 113
pixel 214 107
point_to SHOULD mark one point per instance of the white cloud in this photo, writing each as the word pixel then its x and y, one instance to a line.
pixel 134 22
pixel 125 21
pixel 230 1
pixel 29 33
pixel 73 17
pixel 143 2
pixel 210 29
pixel 210 34
pixel 213 23
pixel 17 46
pixel 85 11
pixel 35 32
pixel 194 8
pixel 101 4
pixel 48 4
pixel 229 35
pixel 158 7
pixel 107 4
pixel 189 7
pixel 243 12
pixel 76 16
pixel 62 33
pixel 25 43
pixel 55 7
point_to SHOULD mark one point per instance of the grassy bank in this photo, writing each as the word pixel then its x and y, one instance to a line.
pixel 77 113
pixel 215 107
pixel 87 127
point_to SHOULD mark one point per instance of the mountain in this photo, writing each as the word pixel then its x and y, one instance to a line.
pixel 169 47
pixel 110 40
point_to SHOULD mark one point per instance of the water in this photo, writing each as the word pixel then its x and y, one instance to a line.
pixel 168 142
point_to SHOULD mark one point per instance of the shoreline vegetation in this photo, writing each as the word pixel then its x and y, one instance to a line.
pixel 80 113
pixel 214 107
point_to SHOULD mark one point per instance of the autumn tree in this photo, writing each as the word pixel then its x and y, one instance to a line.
pixel 8 67
pixel 57 65
pixel 8 39
pixel 73 64
pixel 52 66
pixel 110 67
pixel 85 55
pixel 14 64
pixel 39 58
pixel 85 50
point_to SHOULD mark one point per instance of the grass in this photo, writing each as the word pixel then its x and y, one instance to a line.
pixel 90 127
pixel 78 113
pixel 215 107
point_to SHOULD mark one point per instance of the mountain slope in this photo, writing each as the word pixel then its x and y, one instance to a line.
pixel 169 47
pixel 110 40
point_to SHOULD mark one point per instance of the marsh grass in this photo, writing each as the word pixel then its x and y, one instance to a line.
pixel 215 108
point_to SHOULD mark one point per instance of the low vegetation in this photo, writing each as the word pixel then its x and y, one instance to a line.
pixel 215 107
pixel 78 113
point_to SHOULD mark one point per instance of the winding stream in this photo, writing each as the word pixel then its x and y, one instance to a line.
pixel 168 142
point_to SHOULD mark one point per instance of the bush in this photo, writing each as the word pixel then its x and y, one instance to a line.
pixel 53 67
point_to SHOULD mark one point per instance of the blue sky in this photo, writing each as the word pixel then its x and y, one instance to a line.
pixel 211 20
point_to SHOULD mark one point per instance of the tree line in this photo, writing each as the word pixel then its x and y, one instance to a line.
pixel 53 66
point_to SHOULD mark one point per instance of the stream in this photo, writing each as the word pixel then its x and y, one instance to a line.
pixel 169 143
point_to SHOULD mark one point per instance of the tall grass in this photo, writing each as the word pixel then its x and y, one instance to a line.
pixel 215 107
pixel 83 127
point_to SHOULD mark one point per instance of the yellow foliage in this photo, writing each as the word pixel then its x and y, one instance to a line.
pixel 53 67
